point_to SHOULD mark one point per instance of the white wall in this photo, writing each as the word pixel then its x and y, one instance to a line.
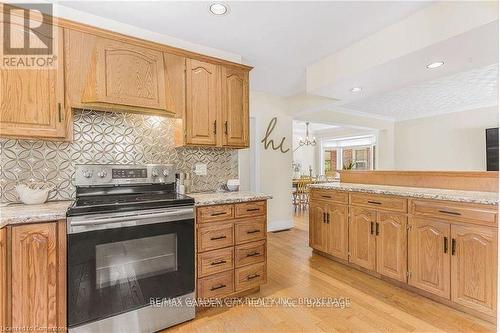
pixel 454 141
pixel 274 168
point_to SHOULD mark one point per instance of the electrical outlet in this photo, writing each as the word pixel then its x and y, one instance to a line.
pixel 200 169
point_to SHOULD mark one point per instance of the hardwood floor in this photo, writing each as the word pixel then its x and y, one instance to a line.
pixel 294 272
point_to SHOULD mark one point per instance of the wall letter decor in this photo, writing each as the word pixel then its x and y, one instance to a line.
pixel 270 142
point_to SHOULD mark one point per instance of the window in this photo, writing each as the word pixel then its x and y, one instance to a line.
pixel 357 158
pixel 356 153
pixel 330 161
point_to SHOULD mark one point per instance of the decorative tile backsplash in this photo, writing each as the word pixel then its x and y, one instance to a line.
pixel 110 138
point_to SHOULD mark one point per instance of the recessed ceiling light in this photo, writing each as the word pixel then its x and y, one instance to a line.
pixel 219 8
pixel 435 64
pixel 356 89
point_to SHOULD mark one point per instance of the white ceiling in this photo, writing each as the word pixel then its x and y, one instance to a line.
pixel 458 92
pixel 278 38
pixel 299 127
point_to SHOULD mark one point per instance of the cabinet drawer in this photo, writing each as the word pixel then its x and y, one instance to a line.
pixel 454 211
pixel 214 213
pixel 379 201
pixel 215 237
pixel 215 261
pixel 330 196
pixel 248 209
pixel 250 276
pixel 250 253
pixel 217 285
pixel 249 230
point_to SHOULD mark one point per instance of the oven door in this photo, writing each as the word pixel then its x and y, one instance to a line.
pixel 121 263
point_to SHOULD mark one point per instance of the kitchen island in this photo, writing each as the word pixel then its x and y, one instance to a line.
pixel 441 243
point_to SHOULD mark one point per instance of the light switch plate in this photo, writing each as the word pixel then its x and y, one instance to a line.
pixel 200 169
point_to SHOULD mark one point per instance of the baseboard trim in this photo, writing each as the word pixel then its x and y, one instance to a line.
pixel 279 225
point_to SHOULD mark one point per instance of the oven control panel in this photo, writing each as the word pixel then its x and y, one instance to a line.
pixel 112 174
pixel 129 173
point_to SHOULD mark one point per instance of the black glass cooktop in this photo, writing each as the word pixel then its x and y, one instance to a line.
pixel 126 198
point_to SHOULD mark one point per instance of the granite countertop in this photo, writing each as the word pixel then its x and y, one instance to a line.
pixel 218 198
pixel 20 213
pixel 487 198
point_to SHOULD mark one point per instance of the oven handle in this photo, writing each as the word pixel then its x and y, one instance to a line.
pixel 133 217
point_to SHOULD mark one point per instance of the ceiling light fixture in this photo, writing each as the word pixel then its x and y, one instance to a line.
pixel 356 89
pixel 219 8
pixel 307 141
pixel 435 64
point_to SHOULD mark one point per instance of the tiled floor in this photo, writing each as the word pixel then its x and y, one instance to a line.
pixel 294 272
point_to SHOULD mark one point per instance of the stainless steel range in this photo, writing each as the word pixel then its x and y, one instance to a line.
pixel 130 247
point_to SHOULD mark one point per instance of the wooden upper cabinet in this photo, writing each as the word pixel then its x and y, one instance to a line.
pixel 32 100
pixel 390 230
pixel 362 237
pixel 429 247
pixel 235 112
pixel 125 74
pixel 338 234
pixel 202 102
pixel 474 267
pixel 318 228
pixel 175 83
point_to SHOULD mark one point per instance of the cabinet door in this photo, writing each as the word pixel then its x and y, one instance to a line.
pixel 201 103
pixel 318 229
pixel 32 100
pixel 338 235
pixel 127 75
pixel 429 256
pixel 34 276
pixel 390 230
pixel 235 114
pixel 362 237
pixel 3 277
pixel 473 267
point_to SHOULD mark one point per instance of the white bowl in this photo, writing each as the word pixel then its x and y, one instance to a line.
pixel 233 188
pixel 32 196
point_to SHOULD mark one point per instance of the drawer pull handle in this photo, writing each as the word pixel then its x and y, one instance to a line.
pixel 453 246
pixel 374 202
pixel 371 228
pixel 326 196
pixel 218 214
pixel 217 287
pixel 252 209
pixel 376 229
pixel 218 262
pixel 253 231
pixel 253 276
pixel 451 213
pixel 445 244
pixel 217 238
pixel 253 254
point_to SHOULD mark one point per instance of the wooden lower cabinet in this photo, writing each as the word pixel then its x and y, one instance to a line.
pixel 362 238
pixel 390 232
pixel 456 262
pixel 36 277
pixel 3 278
pixel 473 267
pixel 231 248
pixel 318 229
pixel 429 256
pixel 446 250
pixel 329 229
